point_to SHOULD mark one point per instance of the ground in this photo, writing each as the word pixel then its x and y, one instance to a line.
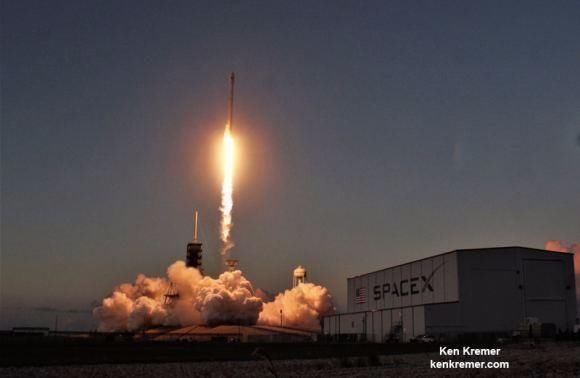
pixel 526 359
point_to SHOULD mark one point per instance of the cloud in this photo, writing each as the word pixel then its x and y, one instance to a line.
pixel 228 299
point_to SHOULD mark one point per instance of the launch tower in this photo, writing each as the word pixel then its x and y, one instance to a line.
pixel 194 250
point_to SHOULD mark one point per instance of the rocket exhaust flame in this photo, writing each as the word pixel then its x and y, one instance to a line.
pixel 228 182
pixel 227 191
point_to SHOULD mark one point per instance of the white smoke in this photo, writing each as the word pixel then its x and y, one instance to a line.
pixel 299 307
pixel 133 306
pixel 147 312
pixel 229 299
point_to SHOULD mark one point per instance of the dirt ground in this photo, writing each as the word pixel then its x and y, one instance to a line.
pixel 525 359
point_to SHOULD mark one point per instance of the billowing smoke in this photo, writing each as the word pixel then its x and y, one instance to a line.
pixel 299 307
pixel 557 246
pixel 133 306
pixel 229 299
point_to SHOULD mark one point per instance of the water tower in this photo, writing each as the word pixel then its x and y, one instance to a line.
pixel 299 276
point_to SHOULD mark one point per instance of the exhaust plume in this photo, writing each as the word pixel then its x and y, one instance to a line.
pixel 203 300
pixel 227 192
pixel 301 307
pixel 133 306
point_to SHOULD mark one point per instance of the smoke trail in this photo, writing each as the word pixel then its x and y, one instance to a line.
pixel 227 192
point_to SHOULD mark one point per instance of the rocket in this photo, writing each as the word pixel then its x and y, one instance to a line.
pixel 231 103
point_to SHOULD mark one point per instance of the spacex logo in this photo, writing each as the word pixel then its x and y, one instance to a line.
pixel 402 288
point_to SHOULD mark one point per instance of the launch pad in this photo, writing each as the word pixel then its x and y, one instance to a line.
pixel 230 333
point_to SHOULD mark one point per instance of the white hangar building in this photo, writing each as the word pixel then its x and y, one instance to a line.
pixel 468 291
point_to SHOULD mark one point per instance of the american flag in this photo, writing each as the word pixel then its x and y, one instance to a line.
pixel 360 295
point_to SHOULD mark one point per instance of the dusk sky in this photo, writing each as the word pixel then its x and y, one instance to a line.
pixel 370 134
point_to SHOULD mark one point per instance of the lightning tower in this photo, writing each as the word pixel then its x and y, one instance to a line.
pixel 194 249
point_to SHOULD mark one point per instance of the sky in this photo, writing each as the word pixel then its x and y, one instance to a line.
pixel 369 134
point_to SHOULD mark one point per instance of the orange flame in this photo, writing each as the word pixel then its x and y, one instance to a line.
pixel 227 191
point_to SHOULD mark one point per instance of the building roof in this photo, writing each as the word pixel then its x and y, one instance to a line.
pixel 169 333
pixel 485 249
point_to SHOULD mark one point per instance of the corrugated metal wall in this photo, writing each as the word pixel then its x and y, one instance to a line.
pixel 498 288
pixel 378 326
pixel 432 280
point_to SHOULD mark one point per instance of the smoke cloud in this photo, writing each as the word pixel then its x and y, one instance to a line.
pixel 229 299
pixel 558 246
pixel 132 306
pixel 299 307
